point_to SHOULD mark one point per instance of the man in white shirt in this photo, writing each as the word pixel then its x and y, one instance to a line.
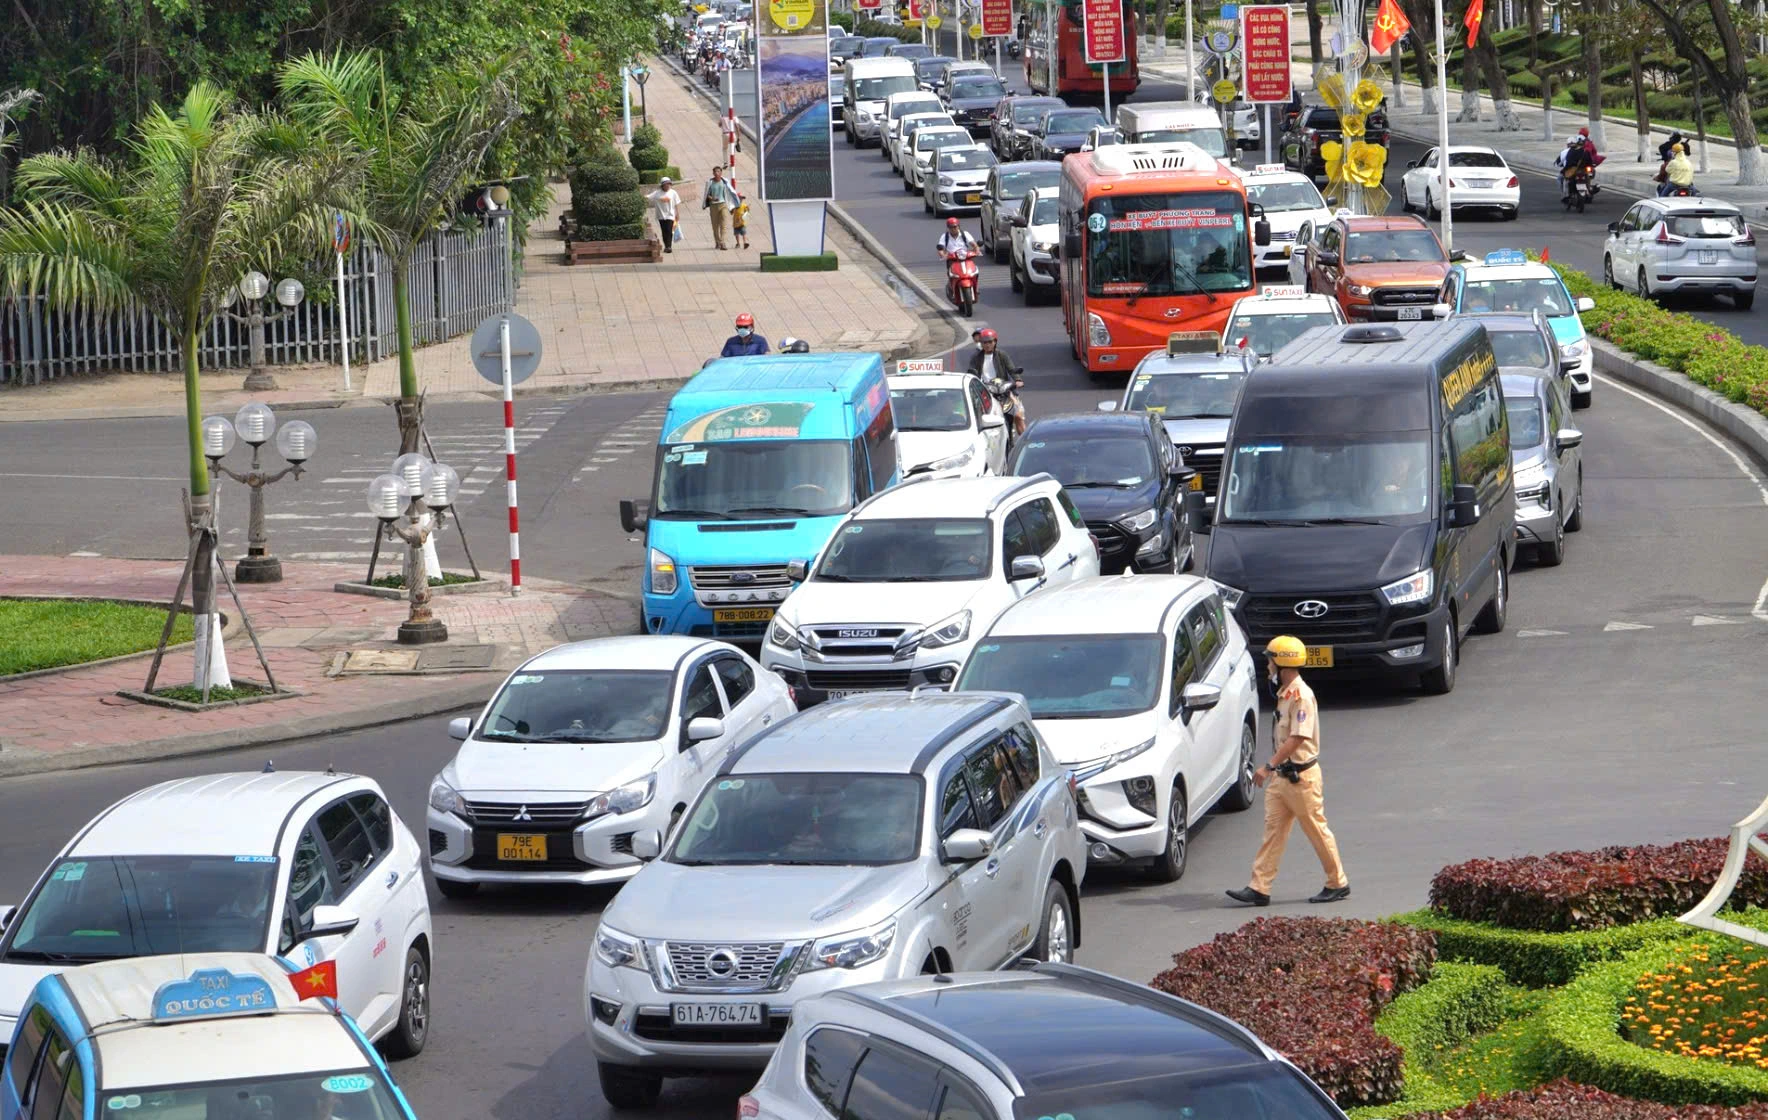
pixel 665 200
pixel 955 238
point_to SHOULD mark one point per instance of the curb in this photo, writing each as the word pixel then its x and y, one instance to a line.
pixel 1743 426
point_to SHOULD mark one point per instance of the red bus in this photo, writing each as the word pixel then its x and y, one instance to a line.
pixel 1056 62
pixel 1154 238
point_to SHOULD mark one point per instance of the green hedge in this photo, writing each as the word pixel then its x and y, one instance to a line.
pixel 648 157
pixel 614 208
pixel 843 20
pixel 1582 1041
pixel 599 178
pixel 1533 958
pixel 872 30
pixel 652 177
pixel 646 134
pixel 1459 1001
pixel 631 231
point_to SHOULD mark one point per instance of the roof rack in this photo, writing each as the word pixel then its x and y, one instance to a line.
pixel 933 1027
pixel 1024 484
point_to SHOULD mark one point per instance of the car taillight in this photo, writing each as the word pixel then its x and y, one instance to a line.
pixel 1512 182
pixel 747 1106
pixel 1748 238
pixel 1665 237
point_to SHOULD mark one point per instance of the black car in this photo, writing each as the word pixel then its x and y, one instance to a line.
pixel 972 99
pixel 929 70
pixel 1125 476
pixel 844 47
pixel 875 47
pixel 1010 133
pixel 1307 132
pixel 1061 131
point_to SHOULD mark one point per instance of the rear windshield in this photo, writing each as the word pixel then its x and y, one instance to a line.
pixel 1323 118
pixel 966 160
pixel 978 87
pixel 1079 121
pixel 1475 159
pixel 907 105
pixel 1705 225
pixel 1519 348
pixel 1014 184
pixel 1028 112
pixel 925 139
pixel 845 44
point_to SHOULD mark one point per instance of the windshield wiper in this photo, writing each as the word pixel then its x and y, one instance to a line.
pixel 505 737
pixel 42 957
pixel 1262 521
pixel 1195 282
pixel 709 514
pixel 573 737
pixel 1345 521
pixel 1098 485
pixel 794 511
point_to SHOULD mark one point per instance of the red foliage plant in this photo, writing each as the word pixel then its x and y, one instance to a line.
pixel 1567 1100
pixel 1311 988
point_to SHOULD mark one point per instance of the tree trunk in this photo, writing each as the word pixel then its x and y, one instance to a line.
pixel 1731 82
pixel 1534 16
pixel 1641 111
pixel 410 409
pixel 1423 29
pixel 1162 12
pixel 1497 81
pixel 1394 62
pixel 209 667
pixel 1593 88
pixel 1469 87
pixel 1315 29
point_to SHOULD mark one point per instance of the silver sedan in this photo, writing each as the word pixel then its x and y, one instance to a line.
pixel 1546 461
pixel 958 178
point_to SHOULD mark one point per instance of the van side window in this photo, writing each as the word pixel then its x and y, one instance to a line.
pixel 1206 640
pixel 1015 541
pixel 830 1056
pixel 880 440
pixel 1477 426
pixel 52 1077
pixel 955 808
pixel 310 885
pixel 1040 525
pixel 24 1055
pixel 1022 749
pixel 347 838
pixel 1184 661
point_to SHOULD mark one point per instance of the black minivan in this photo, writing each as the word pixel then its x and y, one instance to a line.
pixel 1366 504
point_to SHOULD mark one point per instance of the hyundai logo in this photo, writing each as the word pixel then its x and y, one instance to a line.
pixel 721 963
pixel 1174 312
pixel 1311 608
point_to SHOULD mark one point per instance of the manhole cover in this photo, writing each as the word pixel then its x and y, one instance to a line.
pixel 456 657
pixel 380 661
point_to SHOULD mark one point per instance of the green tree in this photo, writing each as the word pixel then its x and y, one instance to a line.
pixel 1729 76
pixel 420 153
pixel 203 195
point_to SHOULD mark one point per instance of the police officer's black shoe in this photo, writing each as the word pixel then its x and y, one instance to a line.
pixel 1331 894
pixel 1254 898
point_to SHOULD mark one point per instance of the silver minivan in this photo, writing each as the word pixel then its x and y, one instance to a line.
pixel 1664 246
pixel 1547 464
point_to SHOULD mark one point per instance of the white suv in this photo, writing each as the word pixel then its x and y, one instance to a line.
pixel 947 425
pixel 1144 686
pixel 914 574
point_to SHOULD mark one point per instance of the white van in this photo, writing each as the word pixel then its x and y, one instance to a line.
pixel 1166 122
pixel 868 81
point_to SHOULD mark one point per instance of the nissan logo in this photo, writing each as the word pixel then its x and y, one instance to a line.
pixel 721 963
pixel 1311 608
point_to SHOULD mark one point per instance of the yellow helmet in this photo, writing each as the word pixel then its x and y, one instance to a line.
pixel 1287 651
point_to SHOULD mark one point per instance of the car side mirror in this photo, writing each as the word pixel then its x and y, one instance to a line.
pixel 994 418
pixel 459 728
pixel 967 845
pixel 1197 511
pixel 6 913
pixel 797 570
pixel 1614 227
pixel 1261 233
pixel 1199 697
pixel 1025 567
pixel 1411 163
pixel 1107 406
pixel 1463 506
pixel 702 728
pixel 633 515
pixel 1458 254
pixel 1568 438
pixel 1018 221
pixel 1585 303
pixel 647 844
pixel 1326 257
pixel 1440 311
pixel 328 921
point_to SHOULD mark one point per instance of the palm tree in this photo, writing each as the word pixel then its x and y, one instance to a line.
pixel 421 154
pixel 203 195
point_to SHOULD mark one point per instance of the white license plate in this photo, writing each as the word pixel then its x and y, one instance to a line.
pixel 1709 256
pixel 1410 313
pixel 843 693
pixel 717 1014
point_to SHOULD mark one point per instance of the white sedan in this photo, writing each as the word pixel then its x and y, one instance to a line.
pixel 1033 269
pixel 1479 179
pixel 959 174
pixel 917 160
pixel 903 131
pixel 947 426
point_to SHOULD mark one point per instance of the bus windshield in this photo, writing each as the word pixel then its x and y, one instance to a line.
pixel 753 479
pixel 1182 243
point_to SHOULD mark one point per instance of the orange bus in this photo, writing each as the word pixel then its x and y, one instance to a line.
pixel 1155 238
pixel 1055 59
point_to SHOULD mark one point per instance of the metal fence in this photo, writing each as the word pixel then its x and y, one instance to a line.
pixel 457 278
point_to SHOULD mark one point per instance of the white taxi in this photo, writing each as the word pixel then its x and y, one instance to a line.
pixel 1506 282
pixel 313 867
pixel 227 1036
pixel 1290 200
pixel 947 425
pixel 1275 317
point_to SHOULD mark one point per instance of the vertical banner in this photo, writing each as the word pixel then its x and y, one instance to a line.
pixel 797 153
pixel 1264 38
pixel 1102 31
pixel 997 17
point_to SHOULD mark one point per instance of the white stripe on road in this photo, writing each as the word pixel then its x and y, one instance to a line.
pixel 99 477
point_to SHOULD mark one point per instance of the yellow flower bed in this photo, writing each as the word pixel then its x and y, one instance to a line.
pixel 1708 1002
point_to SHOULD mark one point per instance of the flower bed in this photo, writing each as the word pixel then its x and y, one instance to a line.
pixel 1311 988
pixel 1706 1003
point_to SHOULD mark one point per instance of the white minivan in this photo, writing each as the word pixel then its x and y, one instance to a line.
pixel 1171 122
pixel 866 84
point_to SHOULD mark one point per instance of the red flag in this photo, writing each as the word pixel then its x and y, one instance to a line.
pixel 1391 25
pixel 1545 257
pixel 319 980
pixel 1476 12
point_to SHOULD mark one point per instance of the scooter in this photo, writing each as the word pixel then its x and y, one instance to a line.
pixel 1005 391
pixel 1580 190
pixel 961 284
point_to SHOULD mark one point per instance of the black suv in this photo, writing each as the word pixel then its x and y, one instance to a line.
pixel 972 99
pixel 1010 133
pixel 1305 133
pixel 1126 478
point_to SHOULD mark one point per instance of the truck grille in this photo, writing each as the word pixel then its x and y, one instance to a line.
pixel 1355 617
pixel 537 815
pixel 859 640
pixel 1404 297
pixel 1206 461
pixel 738 578
pixel 738 964
pixel 1115 546
pixel 882 679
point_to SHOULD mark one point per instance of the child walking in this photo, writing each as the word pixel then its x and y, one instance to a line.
pixel 740 221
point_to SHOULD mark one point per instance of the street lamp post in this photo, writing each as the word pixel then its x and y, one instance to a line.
pixel 412 503
pixel 295 442
pixel 252 288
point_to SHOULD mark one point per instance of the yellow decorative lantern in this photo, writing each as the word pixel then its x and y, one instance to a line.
pixel 1365 164
pixel 1366 96
pixel 1352 126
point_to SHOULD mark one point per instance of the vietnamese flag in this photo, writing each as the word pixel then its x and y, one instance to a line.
pixel 1476 12
pixel 319 980
pixel 1391 25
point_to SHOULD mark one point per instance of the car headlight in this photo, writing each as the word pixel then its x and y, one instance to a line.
pixel 865 117
pixel 1136 522
pixel 444 798
pixel 1085 770
pixel 617 950
pixel 1044 247
pixel 632 795
pixel 944 633
pixel 1231 596
pixel 1361 290
pixel 1415 588
pixel 951 462
pixel 1574 351
pixel 782 635
pixel 947 181
pixel 1097 335
pixel 662 573
pixel 853 950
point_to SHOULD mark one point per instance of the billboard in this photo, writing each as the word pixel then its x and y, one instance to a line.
pixel 1265 38
pixel 797 153
pixel 1102 31
pixel 997 17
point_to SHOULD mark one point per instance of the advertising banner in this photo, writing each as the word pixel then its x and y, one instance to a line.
pixel 1265 39
pixel 1102 31
pixel 997 17
pixel 792 76
pixel 870 5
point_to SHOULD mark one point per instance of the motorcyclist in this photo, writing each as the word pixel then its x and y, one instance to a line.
pixel 1678 173
pixel 954 238
pixel 997 371
pixel 745 342
pixel 1577 159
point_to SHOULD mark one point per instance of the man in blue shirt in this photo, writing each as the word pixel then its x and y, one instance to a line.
pixel 745 342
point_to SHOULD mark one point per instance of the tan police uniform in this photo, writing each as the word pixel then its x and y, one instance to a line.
pixel 1287 802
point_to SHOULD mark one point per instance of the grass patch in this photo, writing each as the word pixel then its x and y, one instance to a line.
pixel 190 694
pixel 52 633
pixel 448 579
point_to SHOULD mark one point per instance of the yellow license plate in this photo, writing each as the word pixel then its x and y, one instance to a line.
pixel 1196 482
pixel 743 614
pixel 1287 249
pixel 1319 657
pixel 520 848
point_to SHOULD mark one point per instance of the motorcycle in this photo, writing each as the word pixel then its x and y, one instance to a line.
pixel 961 283
pixel 1005 391
pixel 1580 189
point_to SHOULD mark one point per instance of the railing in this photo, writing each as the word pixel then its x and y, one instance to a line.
pixel 458 277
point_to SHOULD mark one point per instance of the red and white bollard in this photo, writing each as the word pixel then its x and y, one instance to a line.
pixel 509 455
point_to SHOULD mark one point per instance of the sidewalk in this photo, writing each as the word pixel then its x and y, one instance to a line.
pixel 605 327
pixel 334 648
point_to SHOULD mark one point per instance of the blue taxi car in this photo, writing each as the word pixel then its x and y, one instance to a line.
pixel 1507 282
pixel 224 1036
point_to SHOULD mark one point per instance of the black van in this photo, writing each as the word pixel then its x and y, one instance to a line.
pixel 1366 504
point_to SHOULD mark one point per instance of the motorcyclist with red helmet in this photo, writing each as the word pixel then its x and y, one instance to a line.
pixel 955 238
pixel 1000 375
pixel 745 342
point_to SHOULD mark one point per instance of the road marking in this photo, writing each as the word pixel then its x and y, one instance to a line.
pixel 1540 633
pixel 85 554
pixel 99 477
pixel 1760 610
pixel 332 555
pixel 307 516
pixel 1613 626
pixel 1710 620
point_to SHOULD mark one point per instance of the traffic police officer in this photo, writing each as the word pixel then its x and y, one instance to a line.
pixel 1294 796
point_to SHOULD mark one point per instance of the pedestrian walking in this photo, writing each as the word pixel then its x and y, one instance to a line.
pixel 740 221
pixel 1294 793
pixel 665 200
pixel 719 199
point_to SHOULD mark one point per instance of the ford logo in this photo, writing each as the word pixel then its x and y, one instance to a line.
pixel 742 577
pixel 872 633
pixel 1311 608
pixel 721 963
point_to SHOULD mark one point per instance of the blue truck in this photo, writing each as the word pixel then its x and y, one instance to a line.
pixel 758 460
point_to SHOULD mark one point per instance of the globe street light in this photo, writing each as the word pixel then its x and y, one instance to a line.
pixel 295 442
pixel 412 502
pixel 252 288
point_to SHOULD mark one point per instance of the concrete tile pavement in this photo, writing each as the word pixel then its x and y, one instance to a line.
pixel 75 718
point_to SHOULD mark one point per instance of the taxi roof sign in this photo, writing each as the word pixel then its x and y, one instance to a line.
pixel 1282 291
pixel 1506 256
pixel 1269 168
pixel 1193 342
pixel 211 993
pixel 920 365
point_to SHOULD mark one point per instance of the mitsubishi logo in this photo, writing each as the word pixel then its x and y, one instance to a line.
pixel 522 813
pixel 722 963
pixel 1311 608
